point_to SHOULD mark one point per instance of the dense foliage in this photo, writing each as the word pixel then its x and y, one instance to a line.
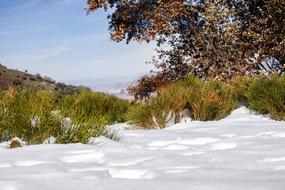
pixel 210 99
pixel 264 95
pixel 35 116
pixel 191 97
pixel 217 39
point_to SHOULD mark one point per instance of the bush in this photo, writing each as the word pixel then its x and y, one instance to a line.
pixel 209 100
pixel 79 132
pixel 149 115
pixel 267 96
pixel 206 100
pixel 94 106
pixel 240 86
pixel 34 116
pixel 27 115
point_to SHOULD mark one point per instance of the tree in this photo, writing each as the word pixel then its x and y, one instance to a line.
pixel 218 39
pixel 263 31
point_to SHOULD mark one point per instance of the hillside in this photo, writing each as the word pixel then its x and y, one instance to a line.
pixel 15 78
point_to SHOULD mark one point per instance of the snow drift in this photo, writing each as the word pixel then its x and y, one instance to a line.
pixel 242 151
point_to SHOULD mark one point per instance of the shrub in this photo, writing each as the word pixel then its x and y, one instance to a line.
pixel 267 96
pixel 152 114
pixel 27 115
pixel 140 115
pixel 92 106
pixel 240 86
pixel 209 100
pixel 76 132
pixel 206 100
pixel 34 116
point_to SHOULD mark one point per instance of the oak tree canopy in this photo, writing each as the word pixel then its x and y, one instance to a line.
pixel 207 38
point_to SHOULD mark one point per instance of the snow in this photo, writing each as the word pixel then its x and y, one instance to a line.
pixel 224 146
pixel 242 151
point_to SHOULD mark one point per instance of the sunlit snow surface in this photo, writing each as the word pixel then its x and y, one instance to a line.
pixel 243 151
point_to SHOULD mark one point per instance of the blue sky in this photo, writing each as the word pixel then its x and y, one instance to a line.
pixel 57 39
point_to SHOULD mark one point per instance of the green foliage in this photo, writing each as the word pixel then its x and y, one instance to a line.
pixel 267 96
pixel 34 116
pixel 140 115
pixel 206 100
pixel 27 115
pixel 79 132
pixel 240 86
pixel 94 106
pixel 209 100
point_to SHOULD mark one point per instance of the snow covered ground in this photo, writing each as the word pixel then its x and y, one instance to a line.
pixel 242 151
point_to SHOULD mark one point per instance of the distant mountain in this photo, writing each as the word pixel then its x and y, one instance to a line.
pixel 15 78
pixel 119 90
pixel 104 81
pixel 111 85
